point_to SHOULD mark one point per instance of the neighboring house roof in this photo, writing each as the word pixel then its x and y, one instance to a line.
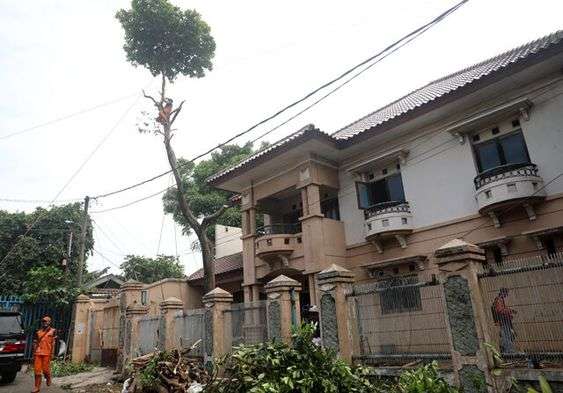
pixel 225 264
pixel 398 110
pixel 446 85
pixel 102 282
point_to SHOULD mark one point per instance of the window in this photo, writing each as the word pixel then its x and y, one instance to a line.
pixel 144 297
pixel 388 189
pixel 330 209
pixel 502 150
pixel 494 255
pixel 400 295
pixel 549 245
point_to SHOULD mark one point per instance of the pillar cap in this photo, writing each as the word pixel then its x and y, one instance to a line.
pixel 217 295
pixel 131 284
pixel 136 310
pixel 457 249
pixel 171 303
pixel 336 273
pixel 82 299
pixel 282 282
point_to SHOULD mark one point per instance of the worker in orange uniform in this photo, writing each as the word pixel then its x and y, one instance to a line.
pixel 43 349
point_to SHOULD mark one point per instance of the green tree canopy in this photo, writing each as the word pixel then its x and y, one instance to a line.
pixel 149 270
pixel 205 200
pixel 44 245
pixel 166 39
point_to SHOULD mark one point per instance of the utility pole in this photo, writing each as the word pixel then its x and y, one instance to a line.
pixel 83 231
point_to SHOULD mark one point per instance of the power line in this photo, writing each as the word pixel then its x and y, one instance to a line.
pixel 401 42
pixel 69 116
pixel 73 176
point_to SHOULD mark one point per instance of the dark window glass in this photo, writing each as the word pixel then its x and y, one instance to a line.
pixel 514 149
pixel 400 299
pixel 497 255
pixel 487 155
pixel 549 244
pixel 384 190
pixel 504 150
pixel 330 209
pixel 395 186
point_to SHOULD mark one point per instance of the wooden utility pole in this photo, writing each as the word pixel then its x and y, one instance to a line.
pixel 83 231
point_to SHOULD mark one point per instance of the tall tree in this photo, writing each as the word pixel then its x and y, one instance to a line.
pixel 169 41
pixel 44 246
pixel 149 270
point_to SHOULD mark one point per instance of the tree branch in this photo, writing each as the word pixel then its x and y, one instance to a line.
pixel 176 112
pixel 212 218
pixel 152 99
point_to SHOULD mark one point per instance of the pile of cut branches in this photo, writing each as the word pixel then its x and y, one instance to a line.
pixel 167 372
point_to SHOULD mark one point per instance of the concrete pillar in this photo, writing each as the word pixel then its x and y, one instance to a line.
pixel 458 265
pixel 129 296
pixel 335 283
pixel 80 336
pixel 169 308
pixel 217 343
pixel 283 307
pixel 133 314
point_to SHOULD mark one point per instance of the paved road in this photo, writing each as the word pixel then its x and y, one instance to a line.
pixel 24 384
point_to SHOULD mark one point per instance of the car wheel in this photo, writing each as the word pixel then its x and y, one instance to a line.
pixel 8 377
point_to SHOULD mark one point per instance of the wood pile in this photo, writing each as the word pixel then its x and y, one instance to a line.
pixel 167 372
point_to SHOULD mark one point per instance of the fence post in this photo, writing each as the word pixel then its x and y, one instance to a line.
pixel 458 264
pixel 166 332
pixel 283 307
pixel 216 342
pixel 129 296
pixel 80 337
pixel 133 314
pixel 335 283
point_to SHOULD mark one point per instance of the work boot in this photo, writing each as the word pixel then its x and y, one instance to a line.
pixel 37 386
pixel 47 379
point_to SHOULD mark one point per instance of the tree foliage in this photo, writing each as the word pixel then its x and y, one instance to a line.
pixel 149 270
pixel 166 39
pixel 49 284
pixel 43 246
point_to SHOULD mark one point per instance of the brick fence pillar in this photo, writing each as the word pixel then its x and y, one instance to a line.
pixel 458 263
pixel 80 336
pixel 217 343
pixel 166 333
pixel 283 307
pixel 133 314
pixel 335 283
pixel 129 296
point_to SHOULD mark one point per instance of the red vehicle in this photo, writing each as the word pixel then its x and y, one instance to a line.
pixel 12 345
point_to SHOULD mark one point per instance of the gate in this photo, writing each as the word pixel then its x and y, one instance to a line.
pixel 398 320
pixel 110 336
pixel 530 291
pixel 189 328
pixel 95 333
pixel 248 324
pixel 31 318
pixel 148 334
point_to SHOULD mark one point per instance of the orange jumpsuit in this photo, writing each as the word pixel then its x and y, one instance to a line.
pixel 45 340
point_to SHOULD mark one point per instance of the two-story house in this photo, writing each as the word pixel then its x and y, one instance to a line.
pixel 477 155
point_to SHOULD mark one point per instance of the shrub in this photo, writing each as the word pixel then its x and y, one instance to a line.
pixel 61 368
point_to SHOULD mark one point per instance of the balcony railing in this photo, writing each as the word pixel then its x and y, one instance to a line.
pixel 505 172
pixel 279 229
pixel 387 207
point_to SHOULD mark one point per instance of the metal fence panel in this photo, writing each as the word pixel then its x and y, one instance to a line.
pixel 148 334
pixel 248 324
pixel 189 328
pixel 399 319
pixel 524 306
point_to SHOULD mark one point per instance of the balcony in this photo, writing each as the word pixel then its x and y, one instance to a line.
pixel 388 219
pixel 508 184
pixel 277 240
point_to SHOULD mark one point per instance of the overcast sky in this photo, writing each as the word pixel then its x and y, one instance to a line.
pixel 60 57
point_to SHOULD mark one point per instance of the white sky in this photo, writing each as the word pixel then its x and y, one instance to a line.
pixel 59 57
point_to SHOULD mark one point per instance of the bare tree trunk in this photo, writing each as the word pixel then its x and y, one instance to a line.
pixel 207 249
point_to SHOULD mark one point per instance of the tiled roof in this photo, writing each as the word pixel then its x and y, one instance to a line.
pixel 309 131
pixel 403 106
pixel 446 85
pixel 225 264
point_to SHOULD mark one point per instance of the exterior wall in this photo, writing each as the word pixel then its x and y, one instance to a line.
pixel 171 287
pixel 227 240
pixel 438 172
